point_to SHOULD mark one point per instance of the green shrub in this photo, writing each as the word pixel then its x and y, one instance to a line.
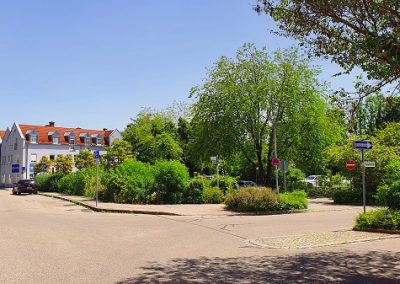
pixel 193 192
pixel 379 219
pixel 171 178
pixel 130 182
pixel 322 191
pixel 48 182
pixel 212 195
pixel 252 199
pixel 295 200
pixel 347 196
pixel 352 196
pixel 225 182
pixel 73 183
pixel 295 179
pixel 389 195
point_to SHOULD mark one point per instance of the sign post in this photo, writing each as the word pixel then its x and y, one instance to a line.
pixel 215 160
pixel 362 146
pixel 96 155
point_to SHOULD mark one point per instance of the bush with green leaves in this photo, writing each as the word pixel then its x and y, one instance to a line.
pixel 192 194
pixel 379 219
pixel 295 179
pixel 212 195
pixel 129 182
pixel 389 195
pixel 73 183
pixel 295 200
pixel 347 196
pixel 48 182
pixel 256 199
pixel 170 180
pixel 225 182
pixel 252 199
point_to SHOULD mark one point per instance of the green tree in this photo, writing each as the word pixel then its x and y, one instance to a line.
pixel 153 136
pixel 43 166
pixel 352 33
pixel 243 99
pixel 64 164
pixel 118 152
pixel 84 159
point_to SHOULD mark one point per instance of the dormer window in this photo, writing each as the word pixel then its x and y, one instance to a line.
pixel 97 139
pixel 70 137
pixel 32 136
pixel 54 137
pixel 86 138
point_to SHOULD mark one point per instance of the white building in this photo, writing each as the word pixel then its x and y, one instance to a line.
pixel 23 145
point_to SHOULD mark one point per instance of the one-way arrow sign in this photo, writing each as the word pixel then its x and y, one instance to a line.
pixel 363 145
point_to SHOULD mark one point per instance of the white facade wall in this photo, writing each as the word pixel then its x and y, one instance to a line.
pixel 11 153
pixel 15 150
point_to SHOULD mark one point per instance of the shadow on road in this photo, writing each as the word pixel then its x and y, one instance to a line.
pixel 326 267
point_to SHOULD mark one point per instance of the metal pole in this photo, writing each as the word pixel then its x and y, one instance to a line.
pixel 284 175
pixel 97 183
pixel 276 156
pixel 363 180
pixel 217 174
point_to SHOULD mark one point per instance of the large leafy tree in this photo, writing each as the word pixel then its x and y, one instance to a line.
pixel 362 33
pixel 245 98
pixel 118 152
pixel 64 164
pixel 153 136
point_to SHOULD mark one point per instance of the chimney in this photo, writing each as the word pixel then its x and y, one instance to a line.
pixel 52 124
pixel 105 129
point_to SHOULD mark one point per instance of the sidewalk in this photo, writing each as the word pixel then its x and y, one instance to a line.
pixel 315 205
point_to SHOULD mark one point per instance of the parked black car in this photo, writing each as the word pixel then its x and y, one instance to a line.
pixel 25 186
pixel 245 183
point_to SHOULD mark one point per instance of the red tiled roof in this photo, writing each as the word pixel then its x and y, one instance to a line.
pixel 45 138
pixel 2 133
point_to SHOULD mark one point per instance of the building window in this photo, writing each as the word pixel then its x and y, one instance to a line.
pixel 56 140
pixel 72 140
pixel 33 138
pixel 52 157
pixel 87 141
pixel 99 141
pixel 16 144
pixel 33 158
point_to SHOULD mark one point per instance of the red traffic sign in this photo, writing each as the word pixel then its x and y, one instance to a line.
pixel 275 161
pixel 350 165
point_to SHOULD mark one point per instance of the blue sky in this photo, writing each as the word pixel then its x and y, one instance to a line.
pixel 97 63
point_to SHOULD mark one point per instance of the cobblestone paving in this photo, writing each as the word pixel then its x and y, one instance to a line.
pixel 313 240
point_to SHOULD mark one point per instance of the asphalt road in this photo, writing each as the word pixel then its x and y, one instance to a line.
pixel 45 240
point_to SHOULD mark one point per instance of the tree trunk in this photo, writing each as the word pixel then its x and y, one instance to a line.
pixel 268 177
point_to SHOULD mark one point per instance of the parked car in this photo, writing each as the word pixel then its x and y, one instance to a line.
pixel 244 183
pixel 25 186
pixel 312 180
pixel 318 180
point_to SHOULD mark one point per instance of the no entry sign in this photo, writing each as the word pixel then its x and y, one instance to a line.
pixel 275 162
pixel 350 165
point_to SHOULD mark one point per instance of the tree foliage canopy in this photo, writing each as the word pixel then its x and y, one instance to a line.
pixel 244 98
pixel 363 33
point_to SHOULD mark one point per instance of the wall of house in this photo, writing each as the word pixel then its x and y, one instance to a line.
pixel 11 154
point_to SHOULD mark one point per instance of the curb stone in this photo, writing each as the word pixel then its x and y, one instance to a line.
pixel 107 210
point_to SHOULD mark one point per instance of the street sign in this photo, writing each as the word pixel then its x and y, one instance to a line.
pixel 96 154
pixel 369 164
pixel 15 168
pixel 275 161
pixel 362 145
pixel 350 165
pixel 214 159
